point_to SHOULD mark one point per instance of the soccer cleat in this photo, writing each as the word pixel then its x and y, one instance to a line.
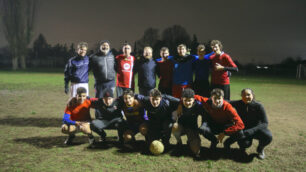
pixel 68 141
pixel 102 139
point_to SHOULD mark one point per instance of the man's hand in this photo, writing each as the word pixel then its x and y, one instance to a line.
pixel 66 88
pixel 175 127
pixel 78 123
pixel 219 67
pixel 220 137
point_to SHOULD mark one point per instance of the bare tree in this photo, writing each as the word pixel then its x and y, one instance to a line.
pixel 18 22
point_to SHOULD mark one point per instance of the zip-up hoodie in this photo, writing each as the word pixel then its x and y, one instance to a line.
pixel 103 67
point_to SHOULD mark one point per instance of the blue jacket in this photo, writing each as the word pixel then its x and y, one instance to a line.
pixel 183 69
pixel 76 70
pixel 146 73
pixel 201 67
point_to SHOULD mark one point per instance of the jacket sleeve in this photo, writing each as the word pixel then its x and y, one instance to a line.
pixel 238 124
pixel 67 120
pixel 67 72
pixel 263 121
pixel 174 102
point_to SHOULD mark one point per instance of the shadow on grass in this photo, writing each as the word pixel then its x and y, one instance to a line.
pixel 36 122
pixel 52 142
pixel 134 147
pixel 218 153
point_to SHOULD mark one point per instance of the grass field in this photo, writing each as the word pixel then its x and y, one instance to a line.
pixel 32 105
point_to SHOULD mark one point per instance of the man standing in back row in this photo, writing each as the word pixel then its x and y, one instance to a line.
pixel 222 65
pixel 76 71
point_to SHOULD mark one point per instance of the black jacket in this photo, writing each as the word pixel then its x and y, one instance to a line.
pixel 146 73
pixel 253 116
pixel 103 67
pixel 107 112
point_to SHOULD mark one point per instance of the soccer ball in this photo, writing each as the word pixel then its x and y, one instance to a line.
pixel 156 147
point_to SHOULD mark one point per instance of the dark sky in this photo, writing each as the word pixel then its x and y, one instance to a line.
pixel 251 30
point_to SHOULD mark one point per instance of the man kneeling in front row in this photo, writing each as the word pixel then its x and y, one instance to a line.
pixel 77 117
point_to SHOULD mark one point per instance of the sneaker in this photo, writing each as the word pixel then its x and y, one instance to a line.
pixel 68 141
pixel 91 141
pixel 102 139
pixel 261 153
pixel 227 146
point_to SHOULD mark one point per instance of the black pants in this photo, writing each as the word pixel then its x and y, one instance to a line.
pixel 167 91
pixel 99 125
pixel 144 91
pixel 264 136
pixel 225 88
pixel 158 131
pixel 201 87
pixel 209 130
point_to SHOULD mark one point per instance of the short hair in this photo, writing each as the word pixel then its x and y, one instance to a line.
pixel 214 42
pixel 148 47
pixel 188 93
pixel 182 45
pixel 129 92
pixel 81 90
pixel 252 92
pixel 201 46
pixel 104 41
pixel 155 93
pixel 127 44
pixel 82 44
pixel 164 49
pixel 217 92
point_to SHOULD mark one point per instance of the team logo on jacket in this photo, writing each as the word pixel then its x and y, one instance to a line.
pixel 126 66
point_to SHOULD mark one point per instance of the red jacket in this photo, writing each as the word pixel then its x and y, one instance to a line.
pixel 225 115
pixel 221 77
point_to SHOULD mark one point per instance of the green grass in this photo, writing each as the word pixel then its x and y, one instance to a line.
pixel 32 104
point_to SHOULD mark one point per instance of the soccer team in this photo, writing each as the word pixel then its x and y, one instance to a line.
pixel 174 107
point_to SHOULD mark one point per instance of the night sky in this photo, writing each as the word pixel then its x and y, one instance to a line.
pixel 258 31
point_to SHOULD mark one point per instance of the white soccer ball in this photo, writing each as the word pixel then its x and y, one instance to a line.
pixel 157 147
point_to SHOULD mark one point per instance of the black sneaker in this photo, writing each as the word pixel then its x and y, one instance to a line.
pixel 213 145
pixel 102 139
pixel 68 141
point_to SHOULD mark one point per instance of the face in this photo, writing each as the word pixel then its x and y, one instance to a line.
pixel 217 101
pixel 201 51
pixel 164 54
pixel 155 101
pixel 82 51
pixel 247 96
pixel 81 98
pixel 188 102
pixel 216 48
pixel 182 50
pixel 104 48
pixel 108 101
pixel 147 53
pixel 127 50
pixel 128 100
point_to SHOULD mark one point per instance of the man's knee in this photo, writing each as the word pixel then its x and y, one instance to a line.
pixel 85 128
pixel 244 143
pixel 143 129
pixel 68 129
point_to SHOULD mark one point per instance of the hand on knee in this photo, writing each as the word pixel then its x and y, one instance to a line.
pixel 128 135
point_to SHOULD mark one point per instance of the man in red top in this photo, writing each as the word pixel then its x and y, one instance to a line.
pixel 124 68
pixel 222 66
pixel 222 118
pixel 77 117
pixel 164 72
